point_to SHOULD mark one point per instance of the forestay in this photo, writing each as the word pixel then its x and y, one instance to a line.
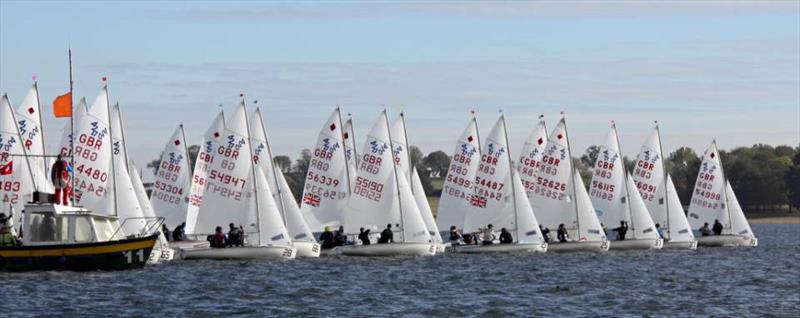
pixel 170 196
pixel 454 203
pixel 327 182
pixel 198 182
pixel 708 198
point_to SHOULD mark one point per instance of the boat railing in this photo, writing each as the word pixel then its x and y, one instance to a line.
pixel 152 224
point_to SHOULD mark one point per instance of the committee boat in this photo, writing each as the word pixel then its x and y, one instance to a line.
pixel 659 195
pixel 713 201
pixel 617 202
pixel 383 197
pixel 560 198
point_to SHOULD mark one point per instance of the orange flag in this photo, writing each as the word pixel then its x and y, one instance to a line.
pixel 62 105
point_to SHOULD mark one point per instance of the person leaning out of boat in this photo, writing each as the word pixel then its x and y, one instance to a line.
pixel 326 238
pixel 488 235
pixel 505 237
pixel 386 235
pixel 562 234
pixel 455 237
pixel 6 238
pixel 59 175
pixel 178 233
pixel 235 235
pixel 717 228
pixel 705 231
pixel 218 238
pixel 167 233
pixel 545 233
pixel 621 230
pixel 339 238
pixel 363 235
pixel 660 231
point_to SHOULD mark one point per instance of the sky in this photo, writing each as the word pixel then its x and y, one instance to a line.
pixel 704 70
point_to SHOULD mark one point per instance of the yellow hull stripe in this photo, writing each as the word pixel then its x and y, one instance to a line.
pixel 74 251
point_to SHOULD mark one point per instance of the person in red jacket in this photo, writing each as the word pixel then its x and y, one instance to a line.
pixel 59 175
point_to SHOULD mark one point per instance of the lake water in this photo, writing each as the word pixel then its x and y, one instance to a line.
pixel 708 282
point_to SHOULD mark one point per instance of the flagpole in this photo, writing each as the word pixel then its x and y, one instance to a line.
pixel 72 134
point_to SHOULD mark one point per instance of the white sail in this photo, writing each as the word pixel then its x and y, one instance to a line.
pixel 424 207
pixel 16 183
pixel 608 189
pixel 29 119
pixel 229 179
pixel 554 197
pixel 127 203
pixel 400 150
pixel 147 209
pixel 641 225
pixel 529 158
pixel 350 150
pixel 412 224
pixel 454 203
pixel 374 201
pixel 493 194
pixel 262 157
pixel 528 227
pixel 271 230
pixel 589 228
pixel 79 111
pixel 739 224
pixel 327 182
pixel 648 175
pixel 708 198
pixel 198 184
pixel 295 223
pixel 170 196
pixel 93 175
pixel 679 229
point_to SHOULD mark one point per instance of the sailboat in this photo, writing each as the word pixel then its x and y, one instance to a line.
pixel 205 157
pixel 659 195
pixel 712 200
pixel 16 178
pixel 499 199
pixel 127 204
pixel 29 120
pixel 301 236
pixel 382 196
pixel 238 193
pixel 170 196
pixel 560 198
pixel 457 189
pixel 616 200
pixel 402 155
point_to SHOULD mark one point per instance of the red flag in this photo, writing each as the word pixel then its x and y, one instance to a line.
pixel 7 169
pixel 62 105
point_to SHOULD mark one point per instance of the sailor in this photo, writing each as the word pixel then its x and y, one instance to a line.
pixel 339 238
pixel 621 230
pixel 235 235
pixel 6 238
pixel 166 231
pixel 562 234
pixel 178 234
pixel 59 175
pixel 717 228
pixel 363 235
pixel 386 235
pixel 218 239
pixel 326 238
pixel 505 237
pixel 705 231
pixel 545 233
pixel 488 235
pixel 455 237
pixel 659 230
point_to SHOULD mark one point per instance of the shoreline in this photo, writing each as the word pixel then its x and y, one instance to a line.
pixel 775 220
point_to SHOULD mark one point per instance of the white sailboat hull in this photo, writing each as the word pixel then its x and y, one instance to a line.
pixel 684 245
pixel 388 249
pixel 441 247
pixel 500 248
pixel 727 240
pixel 307 249
pixel 183 245
pixel 641 244
pixel 161 254
pixel 229 253
pixel 584 246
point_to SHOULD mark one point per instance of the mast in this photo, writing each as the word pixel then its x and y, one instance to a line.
pixel 344 154
pixel 572 175
pixel 724 187
pixel 511 171
pixel 253 170
pixel 271 163
pixel 71 133
pixel 111 150
pixel 624 177
pixel 396 179
pixel 477 134
pixel 664 167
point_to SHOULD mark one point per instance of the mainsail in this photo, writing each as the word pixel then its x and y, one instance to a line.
pixel 92 170
pixel 708 199
pixel 350 150
pixel 29 119
pixel 530 156
pixel 170 196
pixel 454 203
pixel 16 180
pixel 205 157
pixel 493 193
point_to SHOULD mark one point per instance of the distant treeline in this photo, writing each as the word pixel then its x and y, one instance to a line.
pixel 766 179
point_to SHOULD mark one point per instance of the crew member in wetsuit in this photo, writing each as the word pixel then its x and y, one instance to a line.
pixel 717 228
pixel 505 237
pixel 218 239
pixel 363 235
pixel 545 233
pixel 235 236
pixel 326 238
pixel 386 235
pixel 705 231
pixel 455 237
pixel 177 233
pixel 339 238
pixel 621 230
pixel 562 234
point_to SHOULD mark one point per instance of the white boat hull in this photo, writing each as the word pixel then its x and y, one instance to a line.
pixel 388 249
pixel 441 248
pixel 581 246
pixel 648 244
pixel 307 249
pixel 260 252
pixel 182 245
pixel 727 240
pixel 500 248
pixel 684 245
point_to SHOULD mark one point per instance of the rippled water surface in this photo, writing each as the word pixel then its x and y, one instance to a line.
pixel 710 282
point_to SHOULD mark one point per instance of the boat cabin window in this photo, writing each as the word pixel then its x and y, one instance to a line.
pixel 45 227
pixel 83 229
pixel 105 229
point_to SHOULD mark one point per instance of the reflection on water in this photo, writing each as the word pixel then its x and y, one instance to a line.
pixel 711 281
